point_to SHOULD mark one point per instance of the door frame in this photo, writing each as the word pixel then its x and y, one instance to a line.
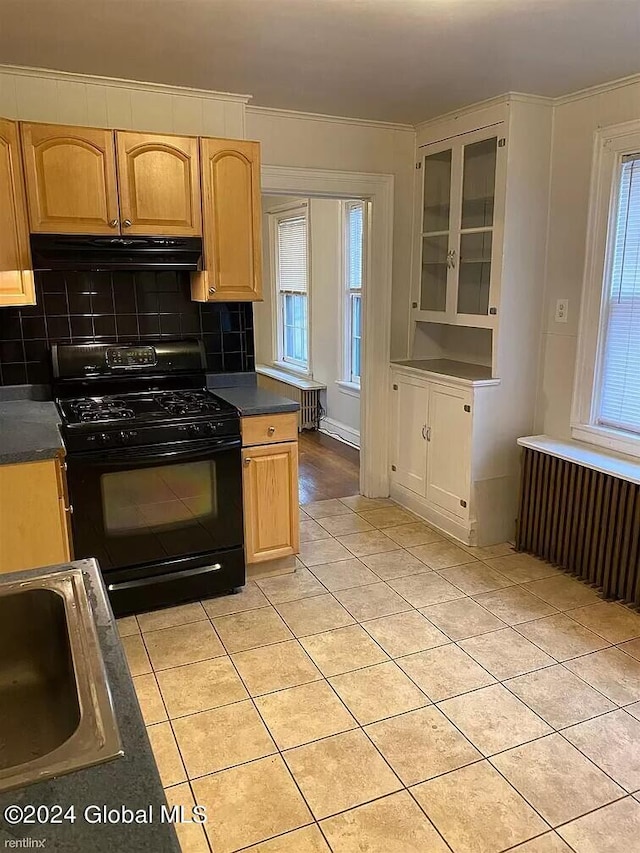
pixel 376 343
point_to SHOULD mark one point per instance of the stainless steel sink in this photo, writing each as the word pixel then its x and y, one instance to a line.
pixel 56 713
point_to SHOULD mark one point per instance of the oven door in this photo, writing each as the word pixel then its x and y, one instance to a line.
pixel 151 509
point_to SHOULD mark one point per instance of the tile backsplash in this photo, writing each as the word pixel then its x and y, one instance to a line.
pixel 119 306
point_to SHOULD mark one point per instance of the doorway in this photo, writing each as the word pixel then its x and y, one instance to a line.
pixel 309 330
pixel 376 191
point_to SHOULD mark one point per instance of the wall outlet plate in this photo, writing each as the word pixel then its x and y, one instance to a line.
pixel 562 311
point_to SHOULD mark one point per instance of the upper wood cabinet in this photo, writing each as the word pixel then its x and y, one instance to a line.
pixel 159 183
pixel 71 179
pixel 232 262
pixel 16 277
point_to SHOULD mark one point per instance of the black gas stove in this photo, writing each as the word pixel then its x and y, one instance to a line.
pixel 154 470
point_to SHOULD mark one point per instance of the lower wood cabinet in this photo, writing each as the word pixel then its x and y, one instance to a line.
pixel 271 514
pixel 34 515
pixel 270 489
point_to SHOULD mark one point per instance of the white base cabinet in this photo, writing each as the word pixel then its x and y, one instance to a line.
pixel 449 453
pixel 447 459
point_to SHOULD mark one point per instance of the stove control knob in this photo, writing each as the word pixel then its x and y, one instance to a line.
pixel 194 429
pixel 124 437
pixel 104 438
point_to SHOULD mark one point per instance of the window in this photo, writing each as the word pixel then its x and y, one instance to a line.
pixel 292 276
pixel 619 398
pixel 606 408
pixel 353 281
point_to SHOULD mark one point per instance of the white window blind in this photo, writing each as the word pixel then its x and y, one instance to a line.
pixel 293 277
pixel 619 402
pixel 292 255
pixel 354 254
pixel 354 241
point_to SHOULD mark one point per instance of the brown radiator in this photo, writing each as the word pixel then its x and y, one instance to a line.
pixel 583 520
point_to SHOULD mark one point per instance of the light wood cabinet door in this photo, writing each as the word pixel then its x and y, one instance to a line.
pixel 71 179
pixel 33 516
pixel 409 451
pixel 449 457
pixel 232 215
pixel 270 489
pixel 16 276
pixel 159 183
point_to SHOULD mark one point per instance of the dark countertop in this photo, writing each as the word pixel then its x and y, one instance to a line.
pixel 248 398
pixel 131 780
pixel 28 431
pixel 29 427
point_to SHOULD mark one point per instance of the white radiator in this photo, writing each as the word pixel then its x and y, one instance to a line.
pixel 308 399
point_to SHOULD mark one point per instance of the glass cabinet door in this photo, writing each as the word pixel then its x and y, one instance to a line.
pixel 436 226
pixel 476 226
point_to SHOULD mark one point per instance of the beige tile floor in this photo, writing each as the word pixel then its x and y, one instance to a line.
pixel 383 700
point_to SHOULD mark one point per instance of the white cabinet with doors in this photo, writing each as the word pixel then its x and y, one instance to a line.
pixel 481 217
pixel 436 453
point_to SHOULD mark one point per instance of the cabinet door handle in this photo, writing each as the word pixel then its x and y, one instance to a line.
pixel 271 430
pixel 451 259
pixel 127 223
pixel 247 460
pixel 212 289
pixel 426 432
pixel 113 223
pixel 69 509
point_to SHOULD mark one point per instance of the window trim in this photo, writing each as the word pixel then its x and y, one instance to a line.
pixel 287 211
pixel 347 381
pixel 610 145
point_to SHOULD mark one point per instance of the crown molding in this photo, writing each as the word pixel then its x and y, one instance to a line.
pixel 121 83
pixel 600 89
pixel 275 112
pixel 498 101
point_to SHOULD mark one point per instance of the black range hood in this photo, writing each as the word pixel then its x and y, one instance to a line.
pixel 77 252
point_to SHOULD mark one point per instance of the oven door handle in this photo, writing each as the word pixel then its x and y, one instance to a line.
pixel 181 574
pixel 145 456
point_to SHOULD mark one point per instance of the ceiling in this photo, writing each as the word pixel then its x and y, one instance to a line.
pixel 395 60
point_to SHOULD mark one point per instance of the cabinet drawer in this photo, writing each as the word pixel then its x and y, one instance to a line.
pixel 267 429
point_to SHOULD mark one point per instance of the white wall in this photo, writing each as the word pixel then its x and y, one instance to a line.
pixel 60 98
pixel 342 407
pixel 320 142
pixel 574 125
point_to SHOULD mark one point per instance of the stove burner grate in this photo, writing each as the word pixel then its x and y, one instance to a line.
pixel 88 410
pixel 187 403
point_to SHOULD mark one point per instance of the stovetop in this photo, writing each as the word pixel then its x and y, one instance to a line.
pixel 154 406
pixel 141 395
pixel 147 419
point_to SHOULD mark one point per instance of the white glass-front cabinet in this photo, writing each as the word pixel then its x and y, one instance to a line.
pixel 462 210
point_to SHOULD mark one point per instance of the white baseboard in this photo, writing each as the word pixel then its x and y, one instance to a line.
pixel 340 431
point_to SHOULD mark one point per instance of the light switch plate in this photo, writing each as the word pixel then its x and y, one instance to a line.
pixel 562 311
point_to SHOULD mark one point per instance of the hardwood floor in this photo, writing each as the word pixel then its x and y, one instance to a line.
pixel 327 468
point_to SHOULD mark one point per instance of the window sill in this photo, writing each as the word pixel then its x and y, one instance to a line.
pixel 349 388
pixel 292 368
pixel 615 440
